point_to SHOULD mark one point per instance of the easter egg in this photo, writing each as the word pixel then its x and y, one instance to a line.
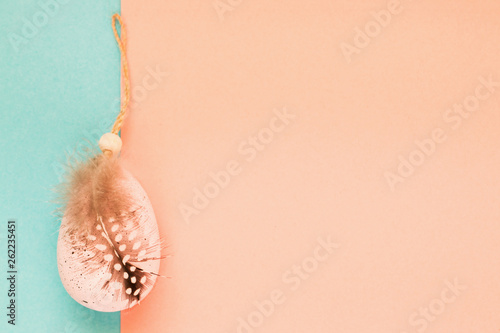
pixel 108 248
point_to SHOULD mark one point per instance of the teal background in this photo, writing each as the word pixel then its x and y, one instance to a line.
pixel 58 91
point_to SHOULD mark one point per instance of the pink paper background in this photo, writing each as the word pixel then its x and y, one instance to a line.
pixel 323 174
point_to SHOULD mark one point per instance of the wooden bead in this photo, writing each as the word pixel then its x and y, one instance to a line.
pixel 110 143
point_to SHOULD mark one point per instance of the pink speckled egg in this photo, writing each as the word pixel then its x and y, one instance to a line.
pixel 113 264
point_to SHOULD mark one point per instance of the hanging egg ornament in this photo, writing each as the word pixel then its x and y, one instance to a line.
pixel 109 247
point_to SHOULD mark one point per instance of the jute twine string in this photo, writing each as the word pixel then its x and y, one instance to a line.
pixel 122 45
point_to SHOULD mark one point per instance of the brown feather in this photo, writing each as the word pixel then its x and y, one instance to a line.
pixel 100 208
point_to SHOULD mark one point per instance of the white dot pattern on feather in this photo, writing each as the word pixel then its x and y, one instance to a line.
pixel 118 237
pixel 108 257
pixel 137 291
pixel 128 291
pixel 122 247
pixel 132 268
pixel 136 245
pixel 126 258
pixel 100 247
pixel 98 227
pixel 143 280
pixel 111 220
pixel 125 275
pixel 92 237
pixel 114 227
pixel 132 235
pixel 133 279
pixel 118 267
